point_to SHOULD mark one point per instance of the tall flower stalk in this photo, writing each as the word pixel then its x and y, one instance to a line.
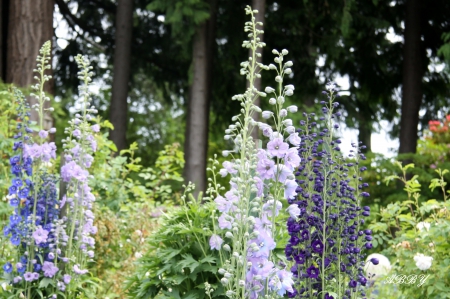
pixel 261 179
pixel 327 242
pixel 52 237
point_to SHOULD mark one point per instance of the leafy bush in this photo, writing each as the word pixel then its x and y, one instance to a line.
pixel 416 230
pixel 179 261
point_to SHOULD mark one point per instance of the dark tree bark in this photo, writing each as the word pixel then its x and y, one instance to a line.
pixel 412 78
pixel 196 135
pixel 121 77
pixel 3 35
pixel 260 6
pixel 365 134
pixel 30 25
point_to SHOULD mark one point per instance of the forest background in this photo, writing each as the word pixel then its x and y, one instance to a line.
pixel 166 71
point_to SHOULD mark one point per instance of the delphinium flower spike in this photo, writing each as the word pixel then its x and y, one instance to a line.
pixel 261 179
pixel 327 243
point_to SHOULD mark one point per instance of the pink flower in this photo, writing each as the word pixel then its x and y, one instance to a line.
pixel 277 148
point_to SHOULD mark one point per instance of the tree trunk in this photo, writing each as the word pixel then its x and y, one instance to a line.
pixel 30 26
pixel 122 58
pixel 3 35
pixel 412 78
pixel 260 6
pixel 365 134
pixel 196 135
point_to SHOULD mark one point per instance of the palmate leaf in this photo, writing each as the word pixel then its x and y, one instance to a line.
pixel 188 262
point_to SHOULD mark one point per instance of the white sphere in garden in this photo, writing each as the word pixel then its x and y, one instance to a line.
pixel 377 265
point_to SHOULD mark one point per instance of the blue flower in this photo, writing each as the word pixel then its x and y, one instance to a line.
pixel 7 267
pixel 15 240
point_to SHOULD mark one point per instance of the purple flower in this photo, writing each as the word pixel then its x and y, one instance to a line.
pixel 95 128
pixel 228 168
pixel 292 159
pixel 77 270
pixel 49 269
pixel 289 189
pixel 225 221
pixel 66 278
pixel 260 266
pixel 215 242
pixel 317 246
pixel 277 148
pixel 40 235
pixel 282 282
pixel 222 204
pixel 77 133
pixel 266 168
pixel 294 211
pixel 294 139
pixel 28 276
pixel 264 242
pixel 269 208
pixel 313 272
pixel 43 134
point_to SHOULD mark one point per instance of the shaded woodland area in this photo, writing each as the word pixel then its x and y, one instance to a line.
pixel 166 68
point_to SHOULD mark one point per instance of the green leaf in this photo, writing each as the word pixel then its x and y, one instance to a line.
pixel 45 282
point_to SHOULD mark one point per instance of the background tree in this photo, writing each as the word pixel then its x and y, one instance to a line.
pixel 29 26
pixel 121 73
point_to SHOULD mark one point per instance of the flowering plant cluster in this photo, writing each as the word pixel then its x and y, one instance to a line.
pixel 417 232
pixel 320 189
pixel 52 236
pixel 327 239
pixel 260 178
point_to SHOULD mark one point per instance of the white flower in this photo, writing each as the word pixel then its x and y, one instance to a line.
pixel 287 122
pixel 421 225
pixel 374 271
pixel 272 67
pixel 288 71
pixel 292 109
pixel 138 255
pixel 269 89
pixel 272 101
pixel 290 129
pixel 284 52
pixel 280 100
pixel 278 78
pixel 423 262
pixel 290 86
pixel 283 113
pixel 267 114
pixel 289 92
pixel 289 63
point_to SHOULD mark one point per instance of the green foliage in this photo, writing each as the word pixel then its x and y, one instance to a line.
pixel 121 179
pixel 184 16
pixel 179 261
pixel 412 227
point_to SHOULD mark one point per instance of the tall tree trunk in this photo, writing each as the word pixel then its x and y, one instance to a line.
pixel 260 6
pixel 365 134
pixel 30 26
pixel 196 135
pixel 412 78
pixel 121 77
pixel 4 4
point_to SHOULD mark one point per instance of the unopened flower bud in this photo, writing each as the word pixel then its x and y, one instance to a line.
pixel 280 100
pixel 278 79
pixel 292 109
pixel 284 52
pixel 289 92
pixel 283 112
pixel 288 63
pixel 226 247
pixel 267 114
pixel 272 101
pixel 269 89
pixel 287 122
